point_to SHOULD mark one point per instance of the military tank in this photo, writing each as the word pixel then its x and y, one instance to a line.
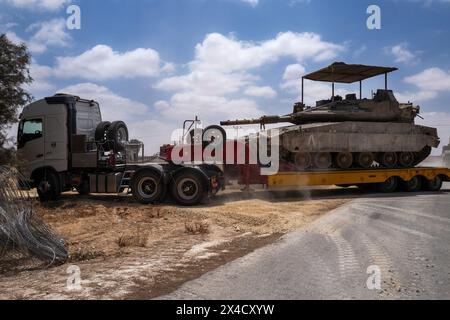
pixel 351 132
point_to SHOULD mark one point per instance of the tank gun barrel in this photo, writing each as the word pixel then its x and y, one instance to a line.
pixel 261 121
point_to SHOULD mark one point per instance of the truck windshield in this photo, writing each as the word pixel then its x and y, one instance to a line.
pixel 29 130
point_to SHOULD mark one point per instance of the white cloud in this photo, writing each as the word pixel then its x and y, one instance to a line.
pixel 261 92
pixel 103 63
pixel 433 79
pixel 114 107
pixel 45 34
pixel 224 68
pixel 207 82
pixel 402 54
pixel 218 52
pixel 48 34
pixel 48 5
pixel 291 78
pixel 211 109
pixel 253 3
pixel 429 84
pixel 40 75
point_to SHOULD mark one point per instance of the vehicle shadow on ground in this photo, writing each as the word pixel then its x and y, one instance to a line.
pixel 305 195
pixel 111 200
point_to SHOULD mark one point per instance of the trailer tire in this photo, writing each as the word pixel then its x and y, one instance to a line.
pixel 188 189
pixel 413 185
pixel 48 186
pixel 433 185
pixel 147 187
pixel 389 186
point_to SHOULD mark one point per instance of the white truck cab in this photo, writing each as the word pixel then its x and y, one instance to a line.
pixel 64 145
pixel 46 131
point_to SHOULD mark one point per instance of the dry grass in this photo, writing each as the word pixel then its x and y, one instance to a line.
pixel 138 240
pixel 83 254
pixel 195 228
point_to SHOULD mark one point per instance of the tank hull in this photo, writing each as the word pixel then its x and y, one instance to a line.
pixel 356 144
pixel 358 137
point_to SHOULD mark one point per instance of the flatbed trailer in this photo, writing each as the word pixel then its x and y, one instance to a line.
pixel 384 180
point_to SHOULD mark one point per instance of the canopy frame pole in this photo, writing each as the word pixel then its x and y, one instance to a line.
pixel 385 81
pixel 332 86
pixel 303 90
pixel 360 90
pixel 332 91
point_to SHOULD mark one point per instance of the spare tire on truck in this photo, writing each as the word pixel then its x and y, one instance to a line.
pixel 101 131
pixel 118 134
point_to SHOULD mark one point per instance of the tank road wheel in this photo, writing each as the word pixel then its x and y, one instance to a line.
pixel 389 186
pixel 147 187
pixel 322 160
pixel 432 185
pixel 303 160
pixel 388 159
pixel 413 185
pixel 365 160
pixel 406 159
pixel 344 160
pixel 188 189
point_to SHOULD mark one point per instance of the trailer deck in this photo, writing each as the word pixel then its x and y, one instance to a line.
pixel 362 178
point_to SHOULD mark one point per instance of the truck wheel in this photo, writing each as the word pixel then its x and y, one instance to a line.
pixel 389 186
pixel 102 129
pixel 432 185
pixel 118 133
pixel 413 185
pixel 147 187
pixel 48 187
pixel 188 189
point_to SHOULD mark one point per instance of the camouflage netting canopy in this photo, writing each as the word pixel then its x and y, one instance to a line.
pixel 22 232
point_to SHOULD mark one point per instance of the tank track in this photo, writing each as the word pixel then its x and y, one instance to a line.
pixel 289 165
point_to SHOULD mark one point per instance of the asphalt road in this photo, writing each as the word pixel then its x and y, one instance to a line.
pixel 405 236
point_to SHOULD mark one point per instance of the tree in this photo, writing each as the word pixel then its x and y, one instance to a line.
pixel 14 74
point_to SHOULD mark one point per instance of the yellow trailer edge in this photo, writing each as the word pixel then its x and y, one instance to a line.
pixel 413 176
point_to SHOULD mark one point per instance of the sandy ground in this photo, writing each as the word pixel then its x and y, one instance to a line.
pixel 123 250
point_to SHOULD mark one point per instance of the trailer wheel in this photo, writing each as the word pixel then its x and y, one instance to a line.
pixel 413 185
pixel 188 189
pixel 389 186
pixel 433 185
pixel 48 186
pixel 147 187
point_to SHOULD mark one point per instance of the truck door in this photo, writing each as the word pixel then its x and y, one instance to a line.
pixel 30 143
pixel 56 154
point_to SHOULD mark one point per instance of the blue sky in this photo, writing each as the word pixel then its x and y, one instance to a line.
pixel 154 63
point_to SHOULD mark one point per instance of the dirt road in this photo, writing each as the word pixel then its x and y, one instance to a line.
pixel 120 249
